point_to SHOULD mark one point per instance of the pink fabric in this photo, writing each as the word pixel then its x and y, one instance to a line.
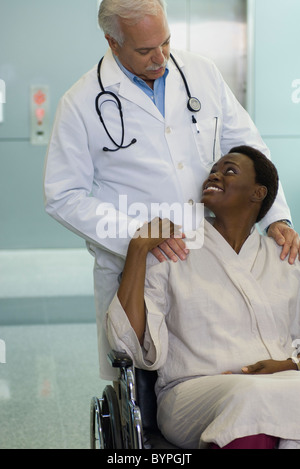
pixel 251 442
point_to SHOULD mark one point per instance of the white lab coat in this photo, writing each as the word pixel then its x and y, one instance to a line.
pixel 168 163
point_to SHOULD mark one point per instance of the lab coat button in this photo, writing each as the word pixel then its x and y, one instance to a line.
pixel 180 166
pixel 168 130
pixel 191 202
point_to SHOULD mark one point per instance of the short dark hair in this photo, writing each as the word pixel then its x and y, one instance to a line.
pixel 266 175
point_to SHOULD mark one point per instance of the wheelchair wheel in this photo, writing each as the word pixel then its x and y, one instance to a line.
pixel 105 425
pixel 96 431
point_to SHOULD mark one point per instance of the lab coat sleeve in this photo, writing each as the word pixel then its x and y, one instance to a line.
pixel 68 183
pixel 239 129
pixel 121 336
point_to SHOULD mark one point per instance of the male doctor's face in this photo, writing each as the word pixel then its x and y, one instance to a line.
pixel 146 49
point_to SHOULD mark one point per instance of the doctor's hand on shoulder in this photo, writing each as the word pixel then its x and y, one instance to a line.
pixel 172 248
pixel 286 237
pixel 164 240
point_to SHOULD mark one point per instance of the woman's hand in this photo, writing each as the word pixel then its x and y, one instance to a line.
pixel 267 367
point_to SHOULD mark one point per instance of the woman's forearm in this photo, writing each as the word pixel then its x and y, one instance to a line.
pixel 131 290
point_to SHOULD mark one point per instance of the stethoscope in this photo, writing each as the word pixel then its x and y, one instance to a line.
pixel 193 105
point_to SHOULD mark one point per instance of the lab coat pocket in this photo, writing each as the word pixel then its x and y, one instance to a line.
pixel 207 138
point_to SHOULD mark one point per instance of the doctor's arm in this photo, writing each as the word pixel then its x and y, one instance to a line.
pixel 68 185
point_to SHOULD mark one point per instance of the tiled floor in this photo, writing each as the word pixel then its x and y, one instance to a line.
pixel 50 376
pixel 51 370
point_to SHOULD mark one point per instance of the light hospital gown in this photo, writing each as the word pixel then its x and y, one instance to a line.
pixel 215 312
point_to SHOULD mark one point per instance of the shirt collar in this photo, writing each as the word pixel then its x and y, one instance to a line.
pixel 133 77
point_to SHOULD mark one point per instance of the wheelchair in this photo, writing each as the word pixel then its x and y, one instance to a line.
pixel 125 416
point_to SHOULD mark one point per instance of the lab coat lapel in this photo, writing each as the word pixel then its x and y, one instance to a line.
pixel 115 80
pixel 174 94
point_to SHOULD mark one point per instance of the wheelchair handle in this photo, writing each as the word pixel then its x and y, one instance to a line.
pixel 119 359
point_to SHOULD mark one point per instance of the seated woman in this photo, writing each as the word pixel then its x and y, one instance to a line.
pixel 219 327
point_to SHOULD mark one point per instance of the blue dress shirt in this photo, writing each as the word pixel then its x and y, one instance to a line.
pixel 157 95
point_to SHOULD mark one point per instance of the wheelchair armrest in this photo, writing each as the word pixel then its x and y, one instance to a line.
pixel 119 359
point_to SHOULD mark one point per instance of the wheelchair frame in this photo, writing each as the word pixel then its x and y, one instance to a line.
pixel 115 419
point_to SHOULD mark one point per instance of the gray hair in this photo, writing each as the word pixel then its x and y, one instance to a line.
pixel 132 11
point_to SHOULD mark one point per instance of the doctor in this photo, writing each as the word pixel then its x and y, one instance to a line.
pixel 125 142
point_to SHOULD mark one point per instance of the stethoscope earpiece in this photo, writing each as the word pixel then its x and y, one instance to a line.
pixel 193 105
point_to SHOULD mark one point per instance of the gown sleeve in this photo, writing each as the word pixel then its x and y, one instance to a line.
pixel 152 354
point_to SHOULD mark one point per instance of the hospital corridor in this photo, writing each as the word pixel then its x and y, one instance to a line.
pixel 51 370
pixel 49 356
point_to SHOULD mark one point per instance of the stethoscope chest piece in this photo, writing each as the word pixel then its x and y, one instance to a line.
pixel 194 105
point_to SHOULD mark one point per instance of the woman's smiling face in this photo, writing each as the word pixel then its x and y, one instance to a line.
pixel 230 185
